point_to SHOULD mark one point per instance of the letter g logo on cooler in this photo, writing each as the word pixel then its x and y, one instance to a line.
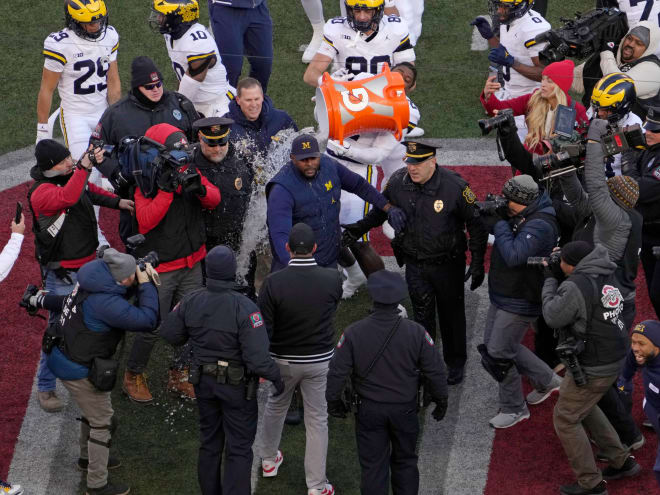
pixel 611 297
pixel 349 98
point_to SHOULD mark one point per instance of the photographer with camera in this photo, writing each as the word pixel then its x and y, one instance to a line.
pixel 587 306
pixel 147 103
pixel 93 321
pixel 64 224
pixel 170 216
pixel 633 55
pixel 230 352
pixel 526 227
pixel 644 167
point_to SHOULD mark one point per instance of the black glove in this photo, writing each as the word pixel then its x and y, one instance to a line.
pixel 279 387
pixel 483 26
pixel 193 185
pixel 166 181
pixel 440 408
pixel 352 234
pixel 397 218
pixel 477 272
pixel 608 39
pixel 337 408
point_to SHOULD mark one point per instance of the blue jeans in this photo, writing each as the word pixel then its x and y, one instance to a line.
pixel 57 287
pixel 246 32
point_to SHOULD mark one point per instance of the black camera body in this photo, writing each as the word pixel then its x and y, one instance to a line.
pixel 30 290
pixel 582 36
pixel 151 257
pixel 568 349
pixel 494 205
pixel 502 119
pixel 553 260
pixel 619 140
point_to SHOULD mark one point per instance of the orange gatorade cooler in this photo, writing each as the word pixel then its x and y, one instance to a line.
pixel 376 103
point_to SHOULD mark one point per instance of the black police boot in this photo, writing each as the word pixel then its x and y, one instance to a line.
pixel 293 415
pixel 455 375
pixel 109 489
pixel 576 489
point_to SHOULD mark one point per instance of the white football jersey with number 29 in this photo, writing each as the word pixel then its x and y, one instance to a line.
pixel 83 85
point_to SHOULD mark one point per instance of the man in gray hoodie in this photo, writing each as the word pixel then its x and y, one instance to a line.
pixel 588 305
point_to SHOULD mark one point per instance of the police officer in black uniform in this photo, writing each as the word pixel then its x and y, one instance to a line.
pixel 438 205
pixel 644 167
pixel 384 354
pixel 230 351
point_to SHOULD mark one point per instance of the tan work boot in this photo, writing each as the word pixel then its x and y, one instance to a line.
pixel 135 386
pixel 178 384
pixel 49 401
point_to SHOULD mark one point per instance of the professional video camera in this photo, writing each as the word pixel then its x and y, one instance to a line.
pixel 583 36
pixel 151 257
pixel 502 119
pixel 143 161
pixel 493 205
pixel 568 350
pixel 553 260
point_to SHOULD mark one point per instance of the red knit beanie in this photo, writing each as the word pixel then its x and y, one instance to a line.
pixel 561 74
pixel 166 134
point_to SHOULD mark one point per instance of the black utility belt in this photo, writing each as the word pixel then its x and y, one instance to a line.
pixel 225 372
pixel 438 260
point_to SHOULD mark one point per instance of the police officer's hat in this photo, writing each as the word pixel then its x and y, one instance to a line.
pixel 652 119
pixel 420 150
pixel 387 287
pixel 214 130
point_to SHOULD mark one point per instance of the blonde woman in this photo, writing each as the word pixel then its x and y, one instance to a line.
pixel 539 106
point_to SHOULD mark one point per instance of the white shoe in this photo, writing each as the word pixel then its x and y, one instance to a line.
pixel 354 280
pixel 328 489
pixel 314 44
pixel 7 488
pixel 507 420
pixel 269 468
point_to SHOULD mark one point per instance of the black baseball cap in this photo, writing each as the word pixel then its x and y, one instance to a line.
pixel 305 146
pixel 652 122
pixel 420 150
pixel 214 130
pixel 301 238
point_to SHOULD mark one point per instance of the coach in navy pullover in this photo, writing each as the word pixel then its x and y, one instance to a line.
pixel 307 190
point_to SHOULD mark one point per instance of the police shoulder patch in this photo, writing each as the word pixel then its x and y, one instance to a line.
pixel 256 320
pixel 428 338
pixel 469 196
pixel 341 341
pixel 177 114
pixel 656 173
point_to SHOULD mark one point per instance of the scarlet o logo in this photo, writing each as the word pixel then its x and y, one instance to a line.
pixel 359 94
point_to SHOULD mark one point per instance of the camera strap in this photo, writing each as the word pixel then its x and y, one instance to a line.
pixel 380 352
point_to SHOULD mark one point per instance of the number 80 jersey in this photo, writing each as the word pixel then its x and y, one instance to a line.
pixel 83 85
pixel 360 53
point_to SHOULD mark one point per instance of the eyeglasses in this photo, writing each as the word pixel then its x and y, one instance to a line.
pixel 151 86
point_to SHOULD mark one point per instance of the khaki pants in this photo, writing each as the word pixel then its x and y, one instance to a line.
pixel 95 433
pixel 576 410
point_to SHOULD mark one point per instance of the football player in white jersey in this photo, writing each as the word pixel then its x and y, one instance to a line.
pixel 194 54
pixel 612 99
pixel 362 41
pixel 81 62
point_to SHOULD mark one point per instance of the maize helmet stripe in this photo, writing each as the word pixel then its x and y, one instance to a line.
pixel 610 90
pixel 365 4
pixel 188 9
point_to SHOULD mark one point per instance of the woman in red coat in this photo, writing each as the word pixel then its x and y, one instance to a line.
pixel 539 106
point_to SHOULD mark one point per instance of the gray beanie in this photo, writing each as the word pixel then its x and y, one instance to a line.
pixel 642 33
pixel 521 189
pixel 121 265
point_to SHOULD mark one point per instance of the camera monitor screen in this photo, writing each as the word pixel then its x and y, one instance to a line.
pixel 564 121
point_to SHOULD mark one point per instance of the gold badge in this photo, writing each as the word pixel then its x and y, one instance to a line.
pixel 412 147
pixel 215 129
pixel 438 206
pixel 238 183
pixel 469 196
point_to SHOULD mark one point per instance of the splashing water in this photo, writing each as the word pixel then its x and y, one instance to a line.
pixel 266 165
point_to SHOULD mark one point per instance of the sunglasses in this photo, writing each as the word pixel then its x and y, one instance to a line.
pixel 216 142
pixel 155 85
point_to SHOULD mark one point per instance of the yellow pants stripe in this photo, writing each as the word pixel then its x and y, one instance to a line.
pixel 367 206
pixel 63 126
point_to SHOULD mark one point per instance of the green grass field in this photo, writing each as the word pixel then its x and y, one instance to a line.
pixel 158 444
